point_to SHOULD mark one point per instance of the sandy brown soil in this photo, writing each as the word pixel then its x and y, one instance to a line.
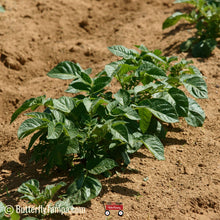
pixel 35 35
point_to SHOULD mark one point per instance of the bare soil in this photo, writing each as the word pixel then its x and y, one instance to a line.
pixel 35 35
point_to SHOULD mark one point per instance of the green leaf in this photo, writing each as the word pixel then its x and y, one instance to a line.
pixel 14 216
pixel 73 147
pixel 59 116
pixel 131 113
pixel 33 102
pixel 80 86
pixel 100 83
pixel 124 52
pixel 155 57
pixel 119 131
pixel 123 97
pixel 35 137
pixel 54 130
pixel 145 116
pixel 70 128
pixel 29 126
pixel 30 188
pixel 160 109
pixel 124 69
pixel 65 70
pixel 185 46
pixel 196 87
pixel 98 166
pixel 204 48
pixel 51 190
pixel 125 157
pixel 181 101
pixel 85 77
pixel 154 145
pixel 196 115
pixel 2 9
pixel 2 209
pixel 186 1
pixel 111 68
pixel 152 70
pixel 88 103
pixel 156 128
pixel 47 117
pixel 64 104
pixel 173 19
pixel 96 104
pixel 83 189
pixel 142 48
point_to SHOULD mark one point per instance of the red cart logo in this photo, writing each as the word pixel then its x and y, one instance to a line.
pixel 114 206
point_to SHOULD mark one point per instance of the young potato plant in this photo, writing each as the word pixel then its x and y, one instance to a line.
pixel 32 193
pixel 205 15
pixel 95 130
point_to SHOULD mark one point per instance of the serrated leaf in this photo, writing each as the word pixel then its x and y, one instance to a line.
pixel 54 130
pixel 145 118
pixel 83 189
pixel 124 52
pixel 123 97
pixel 196 115
pixel 154 145
pixel 64 104
pixel 65 70
pixel 173 19
pixel 197 87
pixel 98 166
pixel 161 109
pixel 29 126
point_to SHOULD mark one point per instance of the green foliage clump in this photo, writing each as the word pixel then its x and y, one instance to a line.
pixel 205 15
pixel 95 130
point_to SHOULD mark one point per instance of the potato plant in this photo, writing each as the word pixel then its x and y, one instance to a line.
pixel 93 130
pixel 205 16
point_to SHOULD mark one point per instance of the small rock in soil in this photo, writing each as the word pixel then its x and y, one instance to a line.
pixel 12 63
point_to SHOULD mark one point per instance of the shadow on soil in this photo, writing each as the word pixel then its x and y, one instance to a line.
pixel 13 174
